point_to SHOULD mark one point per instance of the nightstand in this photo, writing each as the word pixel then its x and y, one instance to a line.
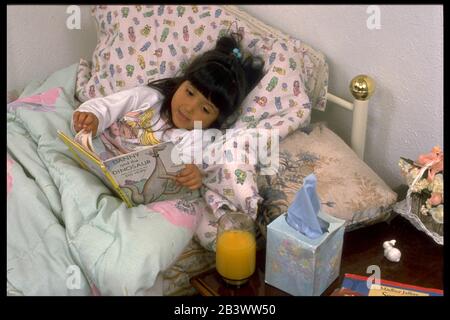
pixel 421 263
pixel 210 283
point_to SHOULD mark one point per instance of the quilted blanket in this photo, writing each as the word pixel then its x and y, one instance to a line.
pixel 67 233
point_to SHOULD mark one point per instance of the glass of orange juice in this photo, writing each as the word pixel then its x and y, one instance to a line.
pixel 235 248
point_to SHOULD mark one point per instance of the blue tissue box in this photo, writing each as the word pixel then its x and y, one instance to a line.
pixel 301 266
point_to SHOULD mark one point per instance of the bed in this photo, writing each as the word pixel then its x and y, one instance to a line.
pixel 70 235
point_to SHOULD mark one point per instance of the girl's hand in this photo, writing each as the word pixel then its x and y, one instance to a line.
pixel 190 177
pixel 85 120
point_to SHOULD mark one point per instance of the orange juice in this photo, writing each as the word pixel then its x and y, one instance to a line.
pixel 236 255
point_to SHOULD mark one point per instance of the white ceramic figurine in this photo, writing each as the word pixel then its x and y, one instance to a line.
pixel 391 253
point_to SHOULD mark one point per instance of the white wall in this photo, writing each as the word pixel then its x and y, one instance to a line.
pixel 39 43
pixel 405 58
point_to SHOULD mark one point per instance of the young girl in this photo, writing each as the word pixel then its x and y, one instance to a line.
pixel 211 89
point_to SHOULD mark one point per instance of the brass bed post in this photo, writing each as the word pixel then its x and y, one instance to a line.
pixel 362 87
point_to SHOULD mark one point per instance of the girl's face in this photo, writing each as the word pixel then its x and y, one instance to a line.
pixel 189 105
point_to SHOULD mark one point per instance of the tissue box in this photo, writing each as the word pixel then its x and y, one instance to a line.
pixel 301 266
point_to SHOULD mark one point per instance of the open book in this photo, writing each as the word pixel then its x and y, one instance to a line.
pixel 138 177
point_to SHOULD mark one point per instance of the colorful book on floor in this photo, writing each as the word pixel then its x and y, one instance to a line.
pixel 138 177
pixel 359 284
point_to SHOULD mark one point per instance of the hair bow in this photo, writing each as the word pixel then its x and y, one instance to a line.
pixel 237 53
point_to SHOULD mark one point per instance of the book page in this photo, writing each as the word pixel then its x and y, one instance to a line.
pixel 147 175
pixel 85 157
pixel 84 139
pixel 96 146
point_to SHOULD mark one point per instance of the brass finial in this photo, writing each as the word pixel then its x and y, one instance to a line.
pixel 362 87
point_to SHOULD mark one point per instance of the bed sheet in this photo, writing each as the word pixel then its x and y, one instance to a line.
pixel 67 233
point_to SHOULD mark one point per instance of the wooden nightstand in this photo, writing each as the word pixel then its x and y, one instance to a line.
pixel 210 283
pixel 421 263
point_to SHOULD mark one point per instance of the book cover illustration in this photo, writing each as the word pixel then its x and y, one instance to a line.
pixel 360 285
pixel 139 177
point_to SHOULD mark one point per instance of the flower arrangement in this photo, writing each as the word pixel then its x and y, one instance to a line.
pixel 425 180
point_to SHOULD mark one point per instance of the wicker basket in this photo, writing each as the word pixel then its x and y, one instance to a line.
pixel 416 203
pixel 430 222
pixel 422 222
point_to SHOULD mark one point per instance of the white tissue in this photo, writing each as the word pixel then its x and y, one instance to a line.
pixel 303 212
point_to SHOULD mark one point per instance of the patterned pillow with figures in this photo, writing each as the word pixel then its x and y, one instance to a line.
pixel 141 43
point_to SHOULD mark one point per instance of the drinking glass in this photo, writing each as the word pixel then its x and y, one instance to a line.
pixel 235 248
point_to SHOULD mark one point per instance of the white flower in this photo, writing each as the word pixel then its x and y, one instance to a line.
pixel 412 174
pixel 438 213
pixel 420 185
pixel 437 184
pixel 424 210
pixel 404 166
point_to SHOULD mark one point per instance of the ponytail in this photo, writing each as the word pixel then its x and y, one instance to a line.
pixel 252 66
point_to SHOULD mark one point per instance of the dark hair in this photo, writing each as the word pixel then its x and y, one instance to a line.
pixel 220 75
